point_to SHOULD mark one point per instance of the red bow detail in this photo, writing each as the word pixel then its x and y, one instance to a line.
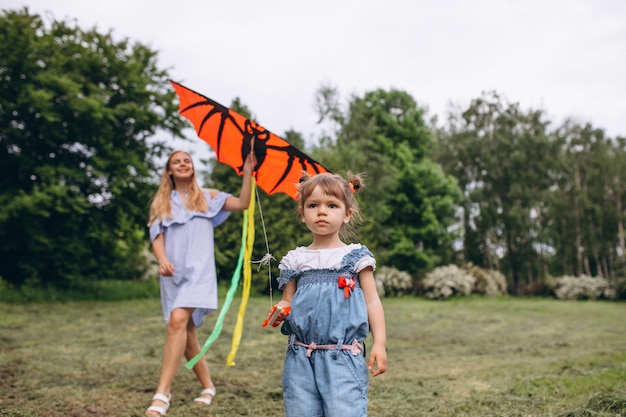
pixel 347 284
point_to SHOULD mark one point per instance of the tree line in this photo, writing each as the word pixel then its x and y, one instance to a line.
pixel 538 201
pixel 494 185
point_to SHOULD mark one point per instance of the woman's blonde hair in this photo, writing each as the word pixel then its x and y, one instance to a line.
pixel 160 208
pixel 335 185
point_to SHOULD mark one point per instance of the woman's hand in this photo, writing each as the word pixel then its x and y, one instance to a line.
pixel 249 164
pixel 166 268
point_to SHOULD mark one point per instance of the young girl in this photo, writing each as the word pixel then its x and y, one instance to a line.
pixel 182 218
pixel 329 305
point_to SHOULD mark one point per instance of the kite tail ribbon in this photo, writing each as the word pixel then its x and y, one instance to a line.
pixel 247 281
pixel 231 291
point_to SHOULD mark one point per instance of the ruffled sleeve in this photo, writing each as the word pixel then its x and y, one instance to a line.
pixel 287 267
pixel 180 215
pixel 216 207
pixel 359 259
pixel 286 276
pixel 156 229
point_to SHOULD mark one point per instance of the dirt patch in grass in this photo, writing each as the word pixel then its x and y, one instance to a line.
pixel 600 405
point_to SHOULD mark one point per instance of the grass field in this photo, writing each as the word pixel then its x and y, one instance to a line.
pixel 468 357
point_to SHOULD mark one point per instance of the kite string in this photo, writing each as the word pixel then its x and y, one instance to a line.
pixel 267 258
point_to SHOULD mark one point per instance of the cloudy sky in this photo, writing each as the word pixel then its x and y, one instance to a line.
pixel 567 57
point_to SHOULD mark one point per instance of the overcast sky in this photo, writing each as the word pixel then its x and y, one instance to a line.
pixel 567 57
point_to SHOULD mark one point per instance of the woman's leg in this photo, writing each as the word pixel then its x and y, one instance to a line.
pixel 175 344
pixel 201 368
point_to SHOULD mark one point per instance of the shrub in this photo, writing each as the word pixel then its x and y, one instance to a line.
pixel 447 281
pixel 392 282
pixel 101 290
pixel 149 266
pixel 620 287
pixel 583 288
pixel 488 281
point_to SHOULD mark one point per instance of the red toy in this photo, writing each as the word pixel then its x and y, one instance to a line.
pixel 276 315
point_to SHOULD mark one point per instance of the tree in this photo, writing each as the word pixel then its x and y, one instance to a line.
pixel 76 111
pixel 588 211
pixel 409 201
pixel 505 164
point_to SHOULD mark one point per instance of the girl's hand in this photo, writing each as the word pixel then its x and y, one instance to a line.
pixel 278 313
pixel 378 356
pixel 166 268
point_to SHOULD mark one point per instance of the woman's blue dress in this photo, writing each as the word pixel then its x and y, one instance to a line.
pixel 189 246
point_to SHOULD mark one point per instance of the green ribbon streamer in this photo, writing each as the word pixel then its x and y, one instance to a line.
pixel 229 298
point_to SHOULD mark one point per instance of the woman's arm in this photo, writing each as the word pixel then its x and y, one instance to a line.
pixel 158 247
pixel 243 201
pixel 376 316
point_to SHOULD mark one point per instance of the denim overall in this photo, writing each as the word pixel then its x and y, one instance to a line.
pixel 325 373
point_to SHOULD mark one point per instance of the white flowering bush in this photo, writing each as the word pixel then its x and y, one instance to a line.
pixel 151 270
pixel 488 282
pixel 583 288
pixel 392 282
pixel 446 281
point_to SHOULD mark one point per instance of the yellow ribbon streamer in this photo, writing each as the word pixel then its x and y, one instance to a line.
pixel 230 295
pixel 247 280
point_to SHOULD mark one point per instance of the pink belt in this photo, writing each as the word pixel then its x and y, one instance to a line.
pixel 355 348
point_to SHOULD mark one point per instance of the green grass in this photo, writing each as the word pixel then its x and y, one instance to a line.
pixel 466 357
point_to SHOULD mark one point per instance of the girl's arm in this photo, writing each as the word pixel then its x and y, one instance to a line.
pixel 243 201
pixel 376 316
pixel 158 247
pixel 288 291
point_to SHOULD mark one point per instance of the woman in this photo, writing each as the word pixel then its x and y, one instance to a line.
pixel 182 219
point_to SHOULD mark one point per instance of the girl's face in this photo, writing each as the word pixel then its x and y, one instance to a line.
pixel 180 166
pixel 324 214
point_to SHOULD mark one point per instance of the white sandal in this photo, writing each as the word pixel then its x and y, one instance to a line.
pixel 157 408
pixel 203 400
